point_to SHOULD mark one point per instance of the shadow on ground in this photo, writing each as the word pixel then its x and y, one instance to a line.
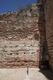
pixel 47 73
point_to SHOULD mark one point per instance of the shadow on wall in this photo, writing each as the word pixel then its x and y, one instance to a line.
pixel 44 58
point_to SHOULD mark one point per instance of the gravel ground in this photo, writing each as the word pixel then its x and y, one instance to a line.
pixel 21 74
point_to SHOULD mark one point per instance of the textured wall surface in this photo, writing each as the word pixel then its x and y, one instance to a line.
pixel 19 38
pixel 49 29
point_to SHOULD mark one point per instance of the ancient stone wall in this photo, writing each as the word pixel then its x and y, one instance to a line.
pixel 19 38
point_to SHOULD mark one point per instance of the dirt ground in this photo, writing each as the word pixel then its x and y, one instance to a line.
pixel 21 74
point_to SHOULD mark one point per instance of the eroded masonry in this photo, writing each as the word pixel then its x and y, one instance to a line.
pixel 20 38
pixel 26 36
